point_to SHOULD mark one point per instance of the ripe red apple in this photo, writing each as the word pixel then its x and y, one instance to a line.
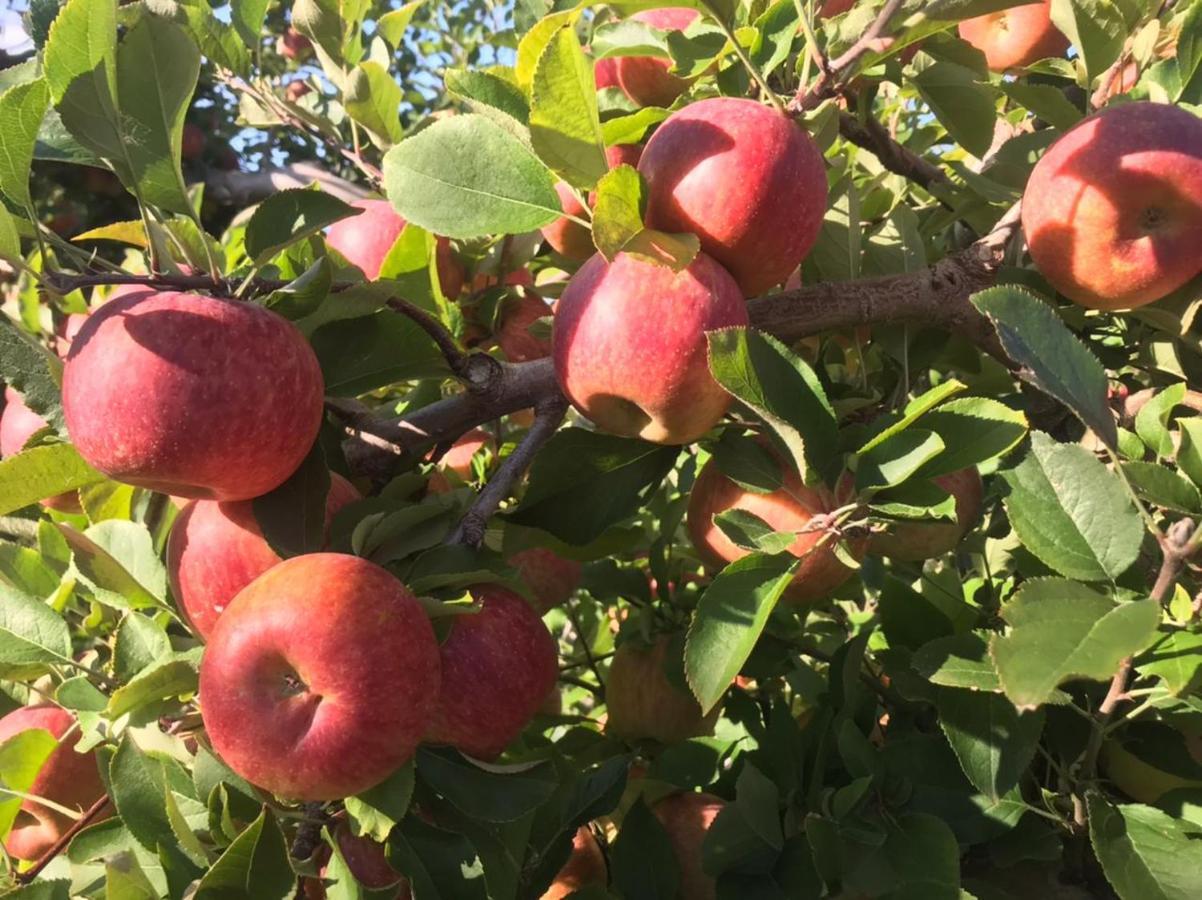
pixel 459 460
pixel 516 278
pixel 646 79
pixel 192 395
pixel 67 778
pixel 1132 236
pixel 18 423
pixel 605 73
pixel 193 141
pixel 367 861
pixel 320 678
pixel 498 665
pixel 686 818
pixel 364 240
pixel 916 541
pixel 1015 37
pixel 293 45
pixel 832 8
pixel 551 578
pixel 585 867
pixel 747 180
pixel 513 335
pixel 66 331
pixel 216 549
pixel 644 704
pixel 789 508
pixel 630 348
pixel 294 90
pixel 569 238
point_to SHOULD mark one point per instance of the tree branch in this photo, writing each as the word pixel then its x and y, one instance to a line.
pixel 871 135
pixel 64 839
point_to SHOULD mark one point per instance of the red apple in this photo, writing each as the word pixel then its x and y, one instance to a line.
pixel 18 423
pixel 293 45
pixel 192 395
pixel 367 861
pixel 621 154
pixel 915 541
pixel 516 278
pixel 364 240
pixel 686 818
pixel 605 73
pixel 644 704
pixel 646 79
pixel 294 90
pixel 216 549
pixel 1015 37
pixel 748 181
pixel 67 778
pixel 585 867
pixel 66 331
pixel 518 313
pixel 630 348
pixel 789 508
pixel 320 678
pixel 832 8
pixel 459 459
pixel 193 141
pixel 498 665
pixel 551 578
pixel 567 237
pixel 1112 213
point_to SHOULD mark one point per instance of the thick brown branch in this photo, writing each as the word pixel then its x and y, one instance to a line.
pixel 872 136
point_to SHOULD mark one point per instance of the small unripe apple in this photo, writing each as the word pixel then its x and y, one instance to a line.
pixel 320 678
pixel 19 423
pixel 193 141
pixel 646 79
pixel 632 379
pixel 687 818
pixel 585 867
pixel 192 395
pixel 551 578
pixel 791 507
pixel 644 703
pixel 1131 237
pixel 364 240
pixel 293 45
pixel 498 665
pixel 216 549
pixel 67 778
pixel 1015 37
pixel 918 540
pixel 747 180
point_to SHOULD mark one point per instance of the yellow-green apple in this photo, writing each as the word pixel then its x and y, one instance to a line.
pixel 687 818
pixel 19 423
pixel 364 241
pixel 630 348
pixel 551 578
pixel 643 703
pixel 744 178
pixel 792 507
pixel 320 678
pixel 1112 213
pixel 192 395
pixel 67 779
pixel 1015 37
pixel 585 867
pixel 293 45
pixel 498 665
pixel 216 549
pixel 646 79
pixel 912 541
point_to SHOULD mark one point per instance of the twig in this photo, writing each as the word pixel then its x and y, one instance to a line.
pixel 308 832
pixel 61 844
pixel 476 370
pixel 870 135
pixel 832 76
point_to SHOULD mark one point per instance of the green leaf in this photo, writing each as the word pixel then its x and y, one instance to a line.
pixel 289 216
pixel 746 462
pixel 22 108
pixel 118 562
pixel 125 880
pixel 1072 512
pixel 157 68
pixel 993 741
pixel 632 128
pixel 21 759
pixel 440 865
pixel 30 370
pixel 1146 853
pixel 377 811
pixel 618 224
pixel 1060 629
pixel 961 103
pixel 780 387
pixel 958 661
pixel 492 793
pixel 41 472
pixel 889 426
pixel 223 45
pixel 890 463
pixel 1176 659
pixel 1152 420
pixel 372 98
pixel 31 633
pixel 1043 100
pixel 1189 453
pixel 565 127
pixel 254 867
pixel 247 18
pixel 974 430
pixel 292 517
pixel 642 862
pixel 1163 487
pixel 582 482
pixel 750 532
pixel 1095 27
pixel 10 240
pixel 140 643
pixel 164 679
pixel 392 24
pixel 730 616
pixel 1051 356
pixel 467 177
pixel 136 783
pixel 369 352
pixel 486 93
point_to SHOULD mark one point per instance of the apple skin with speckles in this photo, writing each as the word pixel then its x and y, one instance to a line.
pixel 646 79
pixel 498 666
pixel 320 678
pixel 216 549
pixel 1112 212
pixel 687 818
pixel 67 778
pixel 18 423
pixel 191 395
pixel 1015 37
pixel 747 180
pixel 640 381
pixel 551 578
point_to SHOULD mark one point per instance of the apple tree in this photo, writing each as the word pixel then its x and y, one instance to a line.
pixel 541 450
